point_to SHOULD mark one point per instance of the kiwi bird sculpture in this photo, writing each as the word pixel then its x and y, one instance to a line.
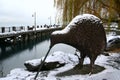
pixel 85 33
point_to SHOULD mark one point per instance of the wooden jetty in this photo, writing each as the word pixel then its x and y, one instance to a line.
pixel 26 35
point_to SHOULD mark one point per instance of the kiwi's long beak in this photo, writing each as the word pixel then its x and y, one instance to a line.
pixel 42 63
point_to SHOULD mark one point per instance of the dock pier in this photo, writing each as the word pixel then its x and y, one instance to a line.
pixel 21 36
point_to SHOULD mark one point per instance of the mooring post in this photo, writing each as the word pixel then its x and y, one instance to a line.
pixel 9 29
pixel 3 29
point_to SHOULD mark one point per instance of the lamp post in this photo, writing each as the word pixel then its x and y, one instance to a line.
pixel 50 20
pixel 34 15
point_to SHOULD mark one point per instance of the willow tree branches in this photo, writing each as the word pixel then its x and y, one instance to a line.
pixel 104 9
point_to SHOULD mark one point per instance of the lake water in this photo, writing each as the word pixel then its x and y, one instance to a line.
pixel 14 56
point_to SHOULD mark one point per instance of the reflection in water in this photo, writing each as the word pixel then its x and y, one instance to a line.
pixel 13 56
pixel 9 50
pixel 1 69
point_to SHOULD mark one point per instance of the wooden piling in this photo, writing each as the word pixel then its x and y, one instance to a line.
pixel 3 29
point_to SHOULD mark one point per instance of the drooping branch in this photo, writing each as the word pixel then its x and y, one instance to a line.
pixel 109 9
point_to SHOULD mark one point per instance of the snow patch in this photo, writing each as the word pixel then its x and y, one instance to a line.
pixel 109 37
pixel 59 56
pixel 34 62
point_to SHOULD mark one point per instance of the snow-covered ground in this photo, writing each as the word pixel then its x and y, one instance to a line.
pixel 110 63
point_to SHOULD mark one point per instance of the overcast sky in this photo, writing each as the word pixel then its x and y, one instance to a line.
pixel 19 12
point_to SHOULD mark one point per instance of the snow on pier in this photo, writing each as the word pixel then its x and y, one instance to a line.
pixel 24 34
